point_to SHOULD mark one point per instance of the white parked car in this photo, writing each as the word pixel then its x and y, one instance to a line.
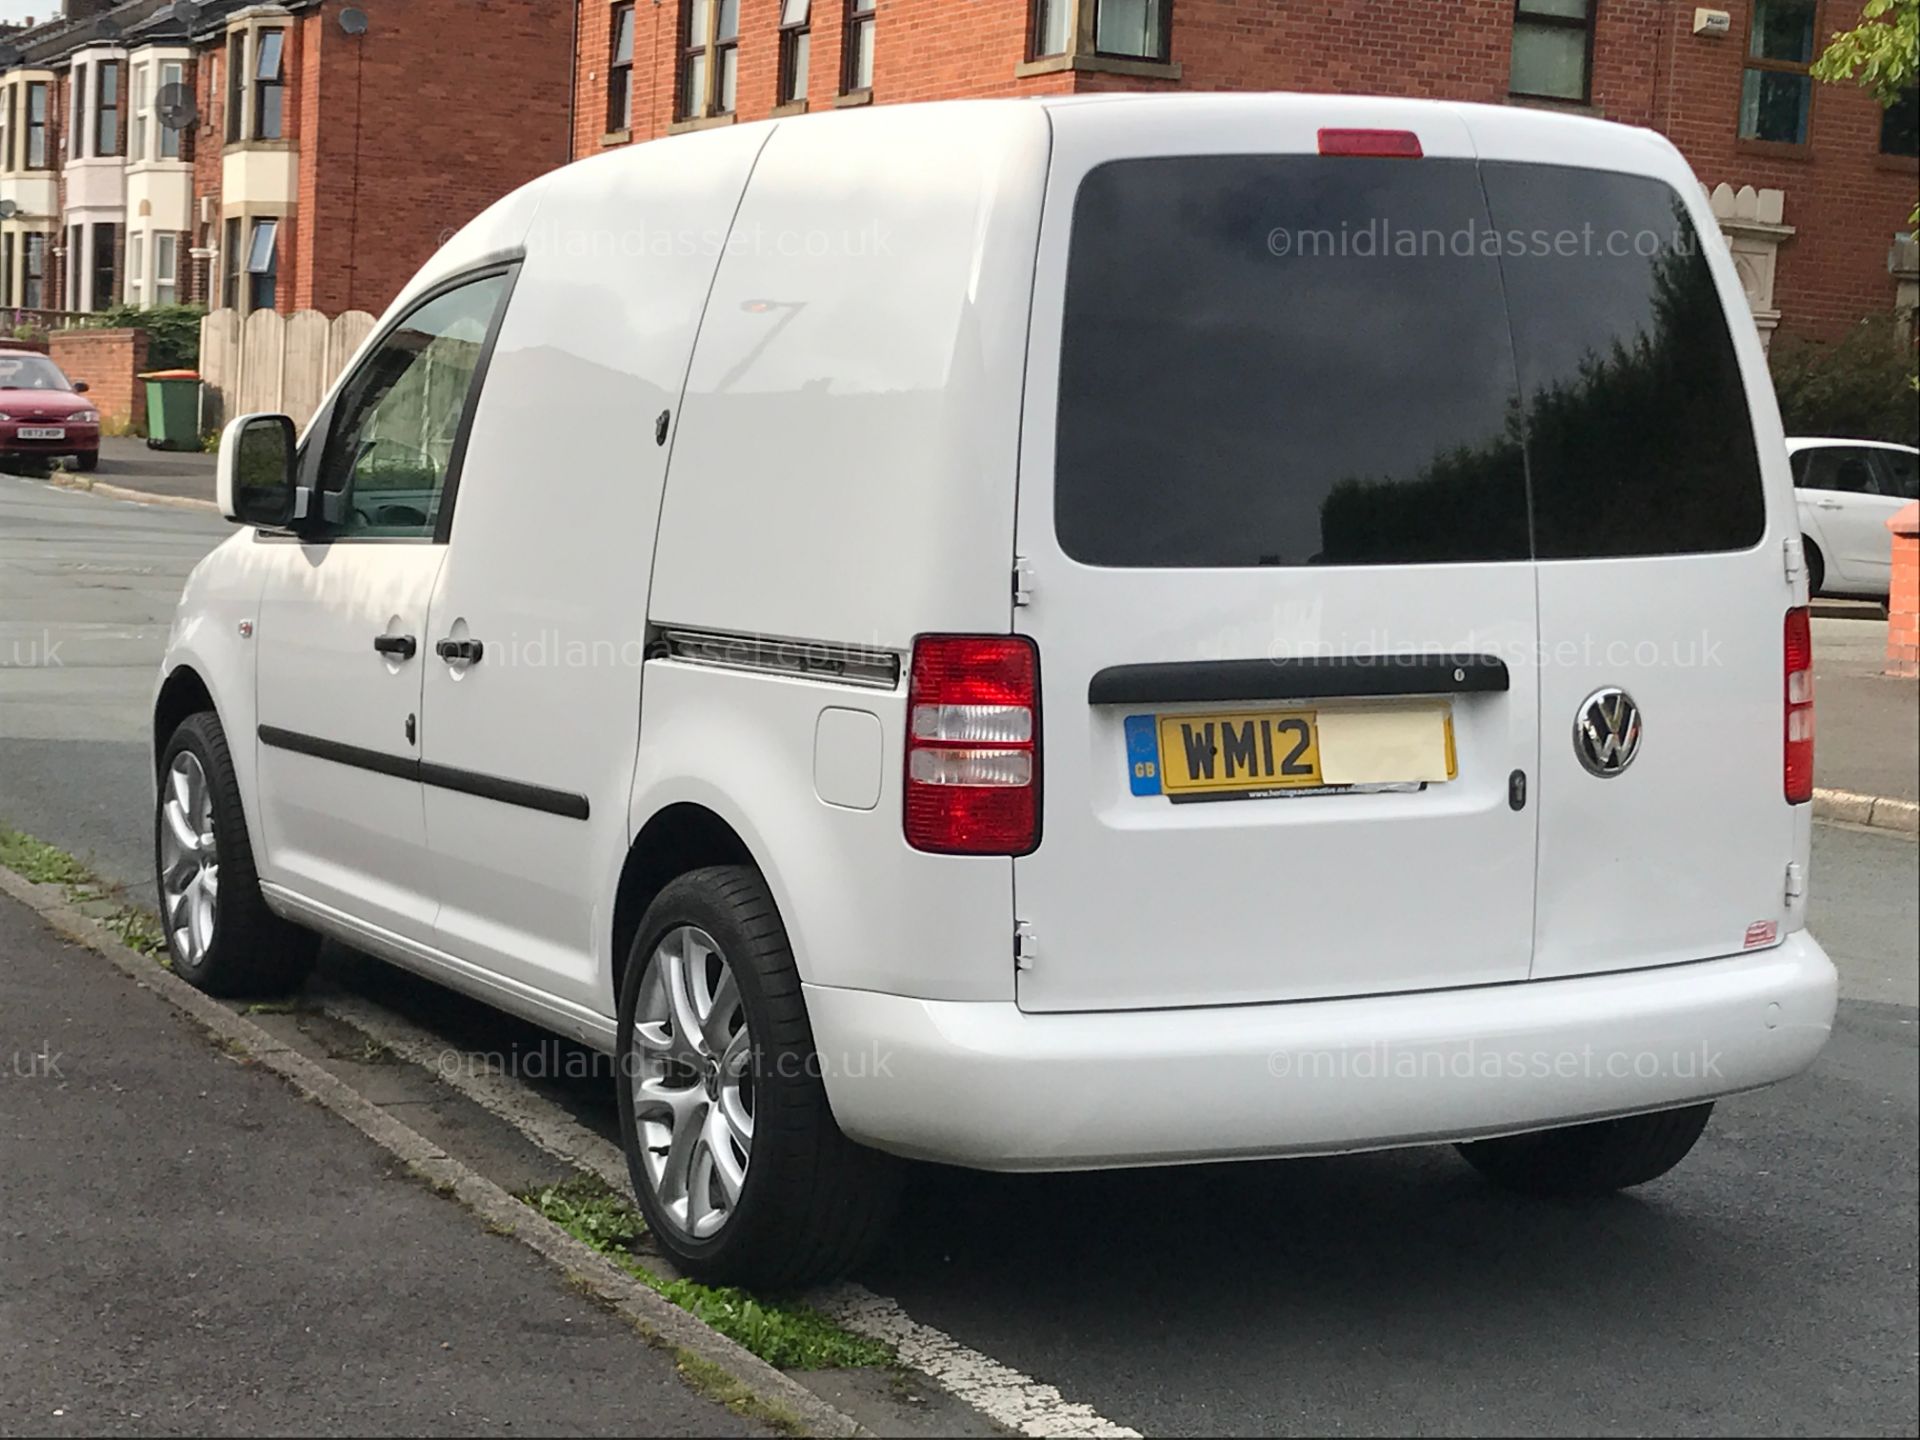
pixel 1041 636
pixel 1847 491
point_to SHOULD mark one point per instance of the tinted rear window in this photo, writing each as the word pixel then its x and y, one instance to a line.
pixel 1297 360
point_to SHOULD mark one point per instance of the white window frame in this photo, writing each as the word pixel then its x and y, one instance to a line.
pixel 166 280
pixel 136 281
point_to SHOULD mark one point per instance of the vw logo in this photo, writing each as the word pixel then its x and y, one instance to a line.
pixel 1606 732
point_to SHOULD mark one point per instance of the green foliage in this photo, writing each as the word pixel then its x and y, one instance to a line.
pixel 173 332
pixel 1881 54
pixel 786 1335
pixel 1857 387
pixel 39 862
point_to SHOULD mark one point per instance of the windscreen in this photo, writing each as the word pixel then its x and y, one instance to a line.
pixel 1306 360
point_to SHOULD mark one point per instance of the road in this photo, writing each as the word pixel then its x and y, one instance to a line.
pixel 1766 1286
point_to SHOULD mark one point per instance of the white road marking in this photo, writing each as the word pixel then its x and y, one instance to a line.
pixel 1001 1393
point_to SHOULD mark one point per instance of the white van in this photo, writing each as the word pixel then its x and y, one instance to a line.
pixel 1041 635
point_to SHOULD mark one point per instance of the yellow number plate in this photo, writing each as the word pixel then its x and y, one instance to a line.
pixel 1250 750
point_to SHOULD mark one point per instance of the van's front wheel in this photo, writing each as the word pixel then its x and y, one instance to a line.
pixel 1591 1159
pixel 733 1152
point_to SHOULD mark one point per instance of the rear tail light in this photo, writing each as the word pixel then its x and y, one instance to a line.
pixel 973 745
pixel 1799 707
pixel 1390 144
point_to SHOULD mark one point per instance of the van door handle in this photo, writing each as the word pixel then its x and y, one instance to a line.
pixel 453 651
pixel 401 647
pixel 1826 504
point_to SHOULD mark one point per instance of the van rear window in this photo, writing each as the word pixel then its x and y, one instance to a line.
pixel 1299 360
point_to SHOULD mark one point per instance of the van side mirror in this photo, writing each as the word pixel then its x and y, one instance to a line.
pixel 256 471
pixel 80 387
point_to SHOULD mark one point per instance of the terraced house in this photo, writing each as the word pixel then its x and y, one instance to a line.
pixel 307 154
pixel 1813 183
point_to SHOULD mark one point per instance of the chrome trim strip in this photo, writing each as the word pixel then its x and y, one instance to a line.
pixel 824 660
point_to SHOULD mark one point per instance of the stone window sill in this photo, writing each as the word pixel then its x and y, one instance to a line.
pixel 792 107
pixel 617 137
pixel 1099 65
pixel 705 122
pixel 853 97
pixel 1777 149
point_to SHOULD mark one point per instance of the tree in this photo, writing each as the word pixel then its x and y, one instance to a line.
pixel 1881 54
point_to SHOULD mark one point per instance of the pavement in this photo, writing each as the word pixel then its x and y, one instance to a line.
pixel 1867 723
pixel 1765 1286
pixel 192 1249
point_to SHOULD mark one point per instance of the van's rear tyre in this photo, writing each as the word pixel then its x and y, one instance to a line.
pixel 1592 1159
pixel 220 934
pixel 731 1147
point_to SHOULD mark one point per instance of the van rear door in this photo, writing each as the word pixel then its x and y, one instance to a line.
pixel 1659 533
pixel 1274 505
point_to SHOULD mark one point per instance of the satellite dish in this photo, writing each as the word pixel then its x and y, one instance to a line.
pixel 353 21
pixel 9 209
pixel 108 28
pixel 173 107
pixel 186 12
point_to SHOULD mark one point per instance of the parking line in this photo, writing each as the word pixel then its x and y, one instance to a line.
pixel 1001 1393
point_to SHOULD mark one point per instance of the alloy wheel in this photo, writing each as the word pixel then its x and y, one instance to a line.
pixel 189 859
pixel 692 1083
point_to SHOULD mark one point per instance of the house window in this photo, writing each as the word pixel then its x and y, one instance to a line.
pixel 166 279
pixel 858 47
pixel 76 274
pixel 6 269
pixel 710 56
pixel 77 130
pixel 37 125
pixel 33 288
pixel 172 77
pixel 796 49
pixel 7 119
pixel 137 123
pixel 269 86
pixel 106 115
pixel 1900 126
pixel 236 84
pixel 230 261
pixel 1052 27
pixel 1776 90
pixel 263 265
pixel 1552 49
pixel 1131 29
pixel 106 278
pixel 136 288
pixel 620 71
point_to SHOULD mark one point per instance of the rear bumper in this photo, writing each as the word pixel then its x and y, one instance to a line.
pixel 988 1086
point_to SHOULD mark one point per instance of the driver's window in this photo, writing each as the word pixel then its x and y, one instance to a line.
pixel 391 444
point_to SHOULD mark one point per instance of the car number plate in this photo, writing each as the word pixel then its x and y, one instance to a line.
pixel 1244 753
pixel 42 432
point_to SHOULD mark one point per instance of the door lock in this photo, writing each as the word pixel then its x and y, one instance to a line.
pixel 1517 790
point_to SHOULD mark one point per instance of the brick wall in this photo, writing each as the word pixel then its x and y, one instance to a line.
pixel 1903 604
pixel 1844 200
pixel 410 131
pixel 108 360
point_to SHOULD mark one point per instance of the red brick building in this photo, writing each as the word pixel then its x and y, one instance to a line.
pixel 1819 180
pixel 292 154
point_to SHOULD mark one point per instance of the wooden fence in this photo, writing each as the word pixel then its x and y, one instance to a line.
pixel 273 362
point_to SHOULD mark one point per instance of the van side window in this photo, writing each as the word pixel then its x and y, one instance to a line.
pixel 400 421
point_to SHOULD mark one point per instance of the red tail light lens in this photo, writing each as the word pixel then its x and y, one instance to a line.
pixel 1799 707
pixel 973 745
pixel 1391 144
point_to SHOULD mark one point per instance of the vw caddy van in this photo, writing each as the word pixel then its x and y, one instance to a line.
pixel 1040 635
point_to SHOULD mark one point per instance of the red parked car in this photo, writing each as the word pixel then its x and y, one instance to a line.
pixel 42 413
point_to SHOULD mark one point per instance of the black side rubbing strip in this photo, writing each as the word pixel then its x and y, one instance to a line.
pixel 1311 677
pixel 401 767
pixel 508 792
pixel 563 803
